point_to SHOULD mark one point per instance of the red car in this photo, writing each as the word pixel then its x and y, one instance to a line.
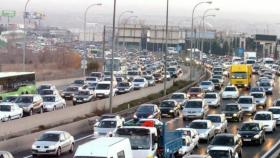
pixel 195 92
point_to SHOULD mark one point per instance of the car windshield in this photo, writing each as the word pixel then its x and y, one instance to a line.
pixel 215 80
pixel 138 142
pixel 145 109
pixel 107 79
pixel 217 76
pixel 171 69
pixel 256 89
pixel 122 84
pixel 95 74
pixel 5 108
pixel 49 98
pixel 210 96
pixel 265 84
pixel 79 82
pixel 230 89
pixel 167 104
pixel 250 127
pixel 10 99
pixel 257 95
pixel 148 77
pixel 198 125
pixel 239 75
pixel 195 90
pixel 262 117
pixel 223 141
pixel 219 154
pixel 231 108
pixel 108 124
pixel 132 73
pixel 138 80
pixel 245 100
pixel 83 93
pixel 205 83
pixel 49 137
pixel 193 104
pixel 46 92
pixel 71 89
pixel 24 99
pixel 44 87
pixel 214 119
pixel 91 79
pixel 102 86
pixel 277 103
pixel 177 96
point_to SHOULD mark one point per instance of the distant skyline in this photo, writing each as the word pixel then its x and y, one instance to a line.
pixel 237 15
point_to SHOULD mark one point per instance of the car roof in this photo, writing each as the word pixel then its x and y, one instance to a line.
pixel 216 115
pixel 246 96
pixel 274 107
pixel 7 103
pixel 148 105
pixel 196 99
pixel 178 93
pixel 263 112
pixel 225 135
pixel 54 132
pixel 221 148
pixel 201 121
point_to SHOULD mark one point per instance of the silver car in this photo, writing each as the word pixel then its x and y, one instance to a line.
pixel 213 99
pixel 53 143
pixel 6 154
pixel 219 121
pixel 207 86
pixel 260 97
pixel 205 129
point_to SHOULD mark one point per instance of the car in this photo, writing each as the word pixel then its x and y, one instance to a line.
pixel 233 111
pixel 207 86
pixel 96 74
pixel 195 108
pixel 107 127
pixel 187 147
pixel 10 99
pixel 198 156
pixel 83 96
pixel 150 79
pixel 174 72
pixel 6 154
pixel 266 118
pixel 219 121
pixel 252 132
pixel 230 92
pixel 124 87
pixel 147 111
pixel 205 129
pixel 192 133
pixel 260 97
pixel 133 74
pixel 53 143
pixel 276 102
pixel 222 152
pixel 169 107
pixel 96 122
pixel 267 86
pixel 248 104
pixel 79 83
pixel 220 78
pixel 158 77
pixel 69 92
pixel 276 114
pixel 120 79
pixel 102 90
pixel 91 80
pixel 30 103
pixel 45 86
pixel 257 89
pixel 195 92
pixel 108 79
pixel 91 86
pixel 216 83
pixel 139 83
pixel 10 111
pixel 53 102
pixel 233 141
pixel 48 92
pixel 212 99
pixel 179 98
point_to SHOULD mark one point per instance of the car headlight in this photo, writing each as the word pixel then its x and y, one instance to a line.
pixel 74 99
pixel 235 115
pixel 188 95
pixel 62 94
pixel 72 95
pixel 135 116
pixel 270 88
pixel 52 146
pixel 257 136
pixel 171 110
pixel 150 156
pixel 34 146
pixel 96 133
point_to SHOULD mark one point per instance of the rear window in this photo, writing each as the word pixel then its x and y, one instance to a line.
pixel 193 104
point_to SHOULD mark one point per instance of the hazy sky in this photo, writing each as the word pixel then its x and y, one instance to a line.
pixel 237 12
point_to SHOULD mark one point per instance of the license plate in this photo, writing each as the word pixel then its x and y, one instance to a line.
pixel 41 150
pixel 79 101
pixel 228 117
pixel 247 140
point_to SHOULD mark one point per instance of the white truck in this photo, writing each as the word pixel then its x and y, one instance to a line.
pixel 250 57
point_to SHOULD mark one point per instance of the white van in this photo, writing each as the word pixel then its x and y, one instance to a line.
pixel 106 147
pixel 102 89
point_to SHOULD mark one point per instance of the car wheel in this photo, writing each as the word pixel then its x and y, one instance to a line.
pixel 208 139
pixel 58 153
pixel 20 116
pixel 41 110
pixel 72 148
pixel 31 112
pixel 54 108
pixel 240 154
pixel 225 130
pixel 260 141
pixel 34 155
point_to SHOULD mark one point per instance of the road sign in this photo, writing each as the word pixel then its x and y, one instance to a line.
pixel 83 66
pixel 84 62
pixel 8 13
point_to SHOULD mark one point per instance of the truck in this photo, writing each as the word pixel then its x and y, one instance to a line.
pixel 250 56
pixel 240 75
pixel 150 139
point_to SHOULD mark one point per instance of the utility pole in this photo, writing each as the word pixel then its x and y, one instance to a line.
pixel 166 44
pixel 103 46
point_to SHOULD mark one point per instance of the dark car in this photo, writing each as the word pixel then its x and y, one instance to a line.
pixel 169 107
pixel 124 87
pixel 147 111
pixel 83 96
pixel 10 99
pixel 195 92
pixel 217 83
pixel 233 112
pixel 227 140
pixel 159 77
pixel 69 92
pixel 252 132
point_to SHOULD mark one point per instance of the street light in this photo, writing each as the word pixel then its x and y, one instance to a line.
pixel 127 19
pixel 119 19
pixel 166 44
pixel 85 27
pixel 112 54
pixel 204 2
pixel 25 32
pixel 203 24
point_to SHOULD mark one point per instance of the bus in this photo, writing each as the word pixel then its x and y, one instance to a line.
pixel 16 83
pixel 119 66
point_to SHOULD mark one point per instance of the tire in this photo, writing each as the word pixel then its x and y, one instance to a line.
pixel 41 110
pixel 240 154
pixel 31 112
pixel 58 153
pixel 72 148
pixel 34 155
pixel 54 108
pixel 260 141
pixel 208 139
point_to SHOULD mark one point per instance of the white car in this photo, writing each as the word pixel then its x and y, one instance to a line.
pixel 10 111
pixel 230 92
pixel 102 89
pixel 213 99
pixel 205 129
pixel 247 103
pixel 260 97
pixel 107 127
pixel 222 151
pixel 195 108
pixel 179 97
pixel 53 143
pixel 276 114
pixel 207 86
pixel 219 121
pixel 266 118
pixel 139 83
pixel 192 133
pixel 53 102
pixel 91 80
pixel 187 147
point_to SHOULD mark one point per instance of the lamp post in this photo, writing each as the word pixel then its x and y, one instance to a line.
pixel 127 19
pixel 166 44
pixel 85 27
pixel 204 2
pixel 203 24
pixel 112 55
pixel 119 20
pixel 24 32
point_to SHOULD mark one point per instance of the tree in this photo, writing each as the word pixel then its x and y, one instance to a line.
pixel 92 66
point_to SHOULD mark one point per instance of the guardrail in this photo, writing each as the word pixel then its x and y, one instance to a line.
pixel 273 152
